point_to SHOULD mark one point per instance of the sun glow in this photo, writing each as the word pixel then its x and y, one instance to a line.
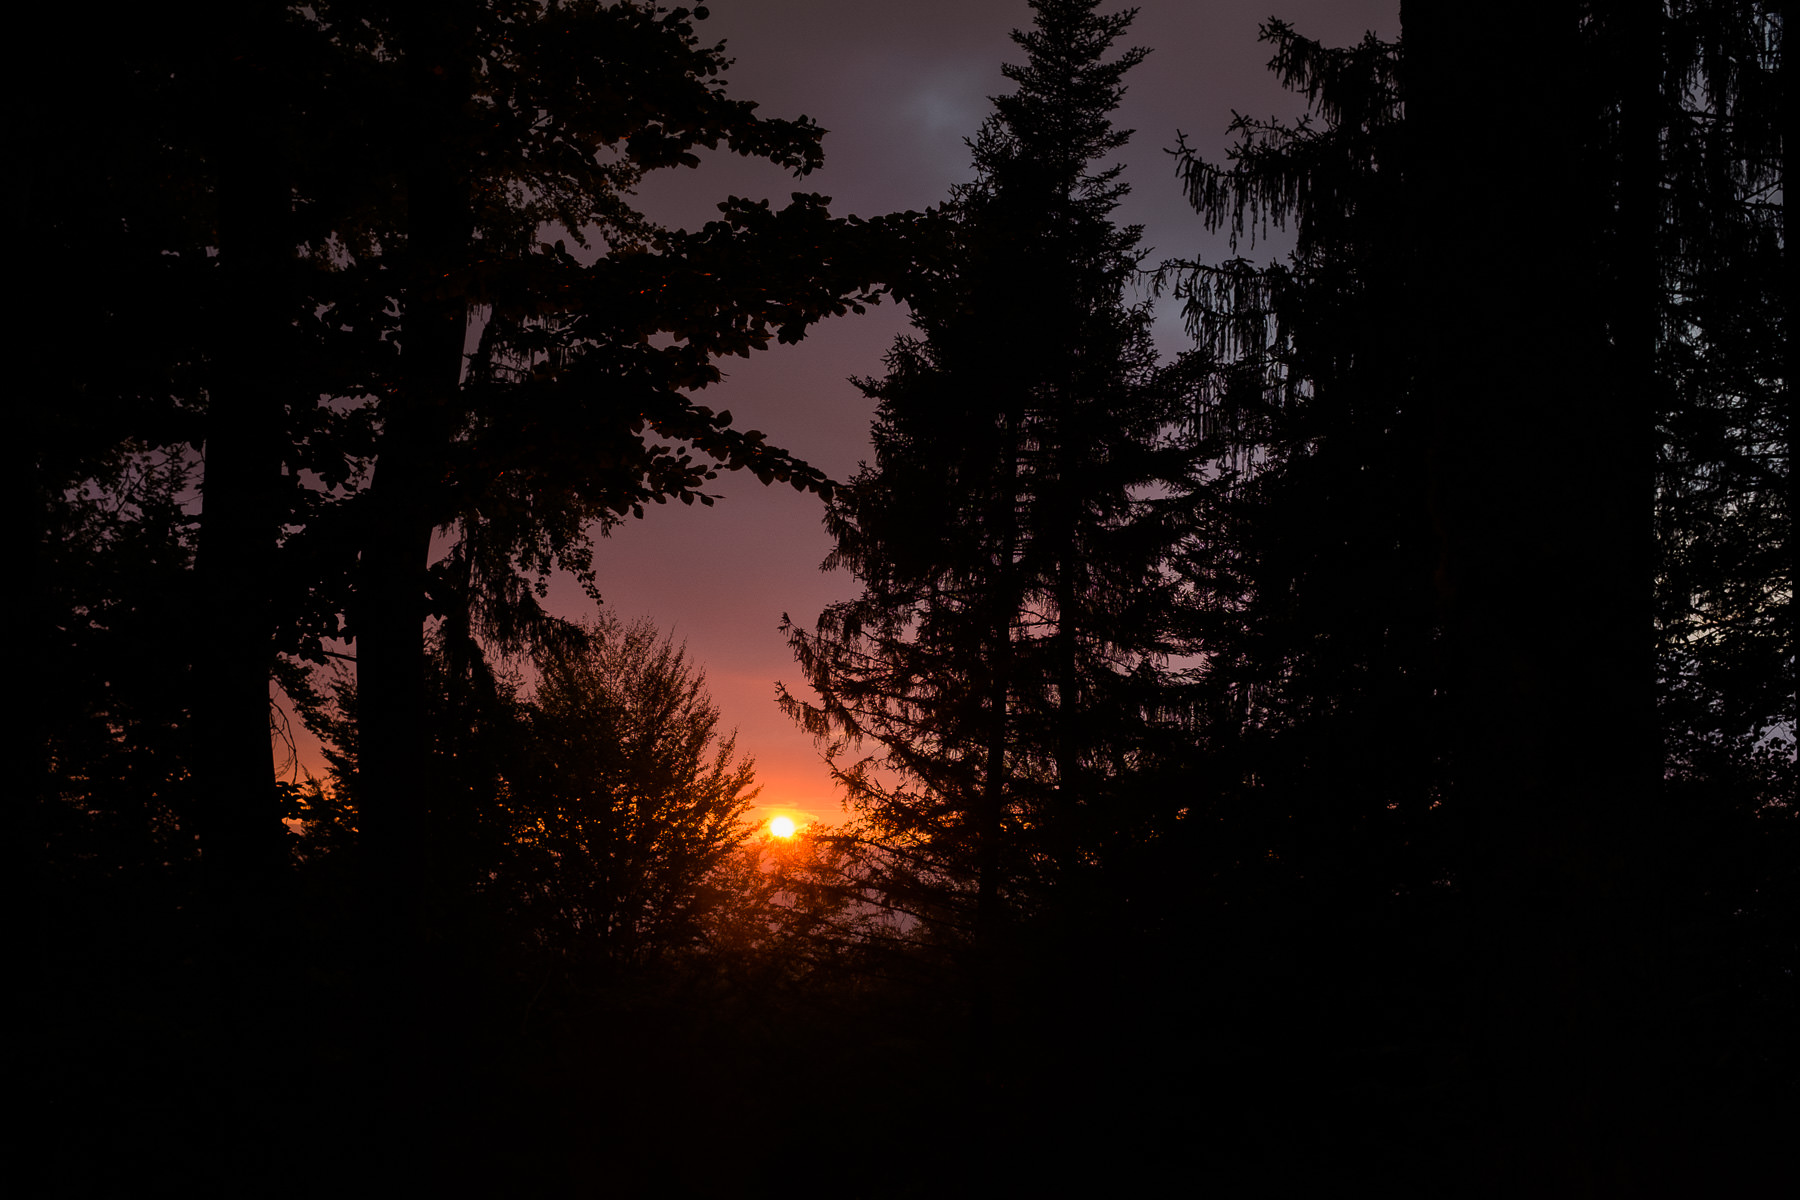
pixel 782 827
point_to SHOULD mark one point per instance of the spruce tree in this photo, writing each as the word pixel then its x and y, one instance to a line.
pixel 1311 551
pixel 1421 418
pixel 1003 656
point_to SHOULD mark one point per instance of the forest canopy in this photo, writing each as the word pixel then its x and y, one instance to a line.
pixel 1377 714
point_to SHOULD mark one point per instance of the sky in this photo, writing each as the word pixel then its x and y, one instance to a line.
pixel 898 85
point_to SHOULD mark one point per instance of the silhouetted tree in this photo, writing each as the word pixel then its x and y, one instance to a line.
pixel 340 196
pixel 511 120
pixel 101 544
pixel 626 800
pixel 1725 473
pixel 110 746
pixel 270 237
pixel 1494 426
pixel 1556 767
pixel 1321 850
pixel 1002 659
pixel 1312 552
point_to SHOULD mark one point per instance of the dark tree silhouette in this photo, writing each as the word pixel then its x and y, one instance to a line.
pixel 102 544
pixel 108 770
pixel 286 226
pixel 1385 715
pixel 1725 480
pixel 627 799
pixel 1002 661
pixel 1320 777
pixel 546 430
pixel 1493 426
pixel 1542 489
pixel 1312 553
pixel 345 194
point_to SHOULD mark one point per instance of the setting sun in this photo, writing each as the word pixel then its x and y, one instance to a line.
pixel 782 827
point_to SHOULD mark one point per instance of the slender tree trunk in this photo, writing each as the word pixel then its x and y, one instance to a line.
pixel 241 836
pixel 1632 827
pixel 989 822
pixel 1543 499
pixel 416 1004
pixel 1068 723
pixel 243 845
pixel 1065 820
pixel 406 493
pixel 1793 478
pixel 1637 397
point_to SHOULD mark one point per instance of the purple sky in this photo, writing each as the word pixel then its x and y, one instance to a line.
pixel 898 84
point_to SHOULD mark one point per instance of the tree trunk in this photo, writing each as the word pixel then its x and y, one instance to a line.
pixel 243 844
pixel 241 836
pixel 406 493
pixel 1065 821
pixel 990 818
pixel 417 995
pixel 1542 497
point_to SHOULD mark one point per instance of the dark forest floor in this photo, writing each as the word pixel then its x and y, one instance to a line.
pixel 142 1070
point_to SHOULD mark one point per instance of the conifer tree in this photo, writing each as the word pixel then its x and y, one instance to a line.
pixel 1725 454
pixel 1003 654
pixel 1495 423
pixel 1311 552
